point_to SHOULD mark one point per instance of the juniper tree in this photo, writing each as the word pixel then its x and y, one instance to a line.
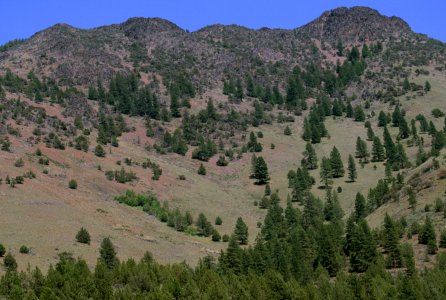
pixel 352 173
pixel 83 236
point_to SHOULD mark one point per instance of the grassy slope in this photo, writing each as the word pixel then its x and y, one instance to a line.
pixel 45 215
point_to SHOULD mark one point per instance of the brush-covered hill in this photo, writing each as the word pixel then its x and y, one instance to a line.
pixel 181 125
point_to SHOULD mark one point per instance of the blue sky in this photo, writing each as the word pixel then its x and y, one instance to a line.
pixel 20 19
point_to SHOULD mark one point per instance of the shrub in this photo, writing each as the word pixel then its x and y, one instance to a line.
pixel 19 163
pixel 24 249
pixel 201 170
pixel 216 236
pixel 99 151
pixel 287 131
pixel 10 262
pixel 72 184
pixel 83 236
pixel 439 205
pixel 221 162
pixel 437 113
pixel 225 238
pixel 2 250
pixel 182 177
pixel 218 221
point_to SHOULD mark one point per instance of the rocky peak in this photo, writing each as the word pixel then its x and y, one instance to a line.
pixel 356 24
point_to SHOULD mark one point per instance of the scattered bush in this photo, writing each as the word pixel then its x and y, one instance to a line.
pixel 72 184
pixel 10 262
pixel 19 163
pixel 24 249
pixel 83 236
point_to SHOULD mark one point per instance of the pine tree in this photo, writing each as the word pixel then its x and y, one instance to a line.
pixel 359 114
pixel 337 167
pixel 391 243
pixel 404 131
pixel 388 145
pixel 427 232
pixel 361 150
pixel 241 231
pixel 370 134
pixel 310 158
pixel 326 172
pixel 261 171
pixel 360 207
pixel 352 173
pixel 108 253
pixel 287 131
pixel 382 119
pixel 332 210
pixel 412 199
pixel 377 150
pixel 174 106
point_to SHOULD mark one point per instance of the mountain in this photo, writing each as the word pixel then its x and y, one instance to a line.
pixel 355 25
pixel 164 140
pixel 75 56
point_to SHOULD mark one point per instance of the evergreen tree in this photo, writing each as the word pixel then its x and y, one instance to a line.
pixel 391 243
pixel 261 171
pixel 361 150
pixel 404 129
pixel 326 172
pixel 378 153
pixel 370 134
pixel 241 231
pixel 399 160
pixel 427 232
pixel 337 167
pixel 174 106
pixel 352 173
pixel 287 131
pixel 388 145
pixel 99 151
pixel 108 254
pixel 360 207
pixel 310 158
pixel 332 210
pixel 427 86
pixel 382 119
pixel 412 199
pixel 359 114
pixel 83 236
pixel 363 251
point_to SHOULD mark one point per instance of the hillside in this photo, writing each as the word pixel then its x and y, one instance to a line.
pixel 142 105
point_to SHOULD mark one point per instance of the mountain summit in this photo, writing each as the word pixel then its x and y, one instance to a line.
pixel 356 24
